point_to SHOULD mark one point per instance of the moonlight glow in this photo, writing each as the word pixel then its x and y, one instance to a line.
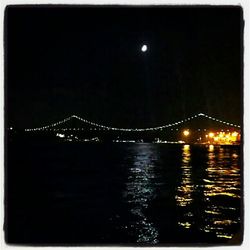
pixel 144 48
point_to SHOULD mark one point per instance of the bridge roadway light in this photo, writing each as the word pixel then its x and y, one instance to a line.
pixel 186 132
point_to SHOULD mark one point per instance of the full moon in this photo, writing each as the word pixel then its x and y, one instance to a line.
pixel 144 48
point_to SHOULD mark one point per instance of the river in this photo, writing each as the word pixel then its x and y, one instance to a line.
pixel 122 194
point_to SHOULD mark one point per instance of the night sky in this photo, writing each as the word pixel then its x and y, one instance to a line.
pixel 88 62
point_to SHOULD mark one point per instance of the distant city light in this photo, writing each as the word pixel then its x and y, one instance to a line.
pixel 60 135
pixel 181 142
pixel 11 128
pixel 211 134
pixel 234 134
pixel 224 137
pixel 186 132
pixel 221 134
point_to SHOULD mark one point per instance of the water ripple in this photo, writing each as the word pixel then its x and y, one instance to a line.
pixel 222 181
pixel 140 190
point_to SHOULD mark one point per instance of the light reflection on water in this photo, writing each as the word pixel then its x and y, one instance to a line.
pixel 140 190
pixel 185 189
pixel 207 193
pixel 222 182
pixel 126 193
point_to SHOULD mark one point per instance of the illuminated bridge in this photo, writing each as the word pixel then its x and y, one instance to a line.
pixel 77 127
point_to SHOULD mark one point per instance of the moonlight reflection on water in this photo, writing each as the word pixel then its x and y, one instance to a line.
pixel 140 192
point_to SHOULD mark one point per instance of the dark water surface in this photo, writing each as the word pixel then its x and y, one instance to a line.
pixel 122 193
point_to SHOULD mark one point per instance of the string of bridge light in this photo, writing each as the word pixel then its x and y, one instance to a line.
pixel 220 121
pixel 49 126
pixel 129 129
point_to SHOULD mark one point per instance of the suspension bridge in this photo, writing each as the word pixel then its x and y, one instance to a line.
pixel 89 125
pixel 77 128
